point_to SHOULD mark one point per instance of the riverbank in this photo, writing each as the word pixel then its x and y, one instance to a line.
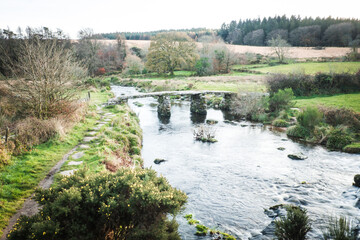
pixel 22 176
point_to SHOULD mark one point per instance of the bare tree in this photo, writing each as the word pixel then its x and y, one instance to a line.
pixel 280 47
pixel 46 76
pixel 87 49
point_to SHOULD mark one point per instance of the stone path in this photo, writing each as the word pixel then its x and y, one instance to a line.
pixel 31 207
pixel 90 138
pixel 78 155
pixel 84 146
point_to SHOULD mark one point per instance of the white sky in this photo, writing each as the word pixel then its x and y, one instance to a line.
pixel 147 15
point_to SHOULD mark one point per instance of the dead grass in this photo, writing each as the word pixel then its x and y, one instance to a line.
pixel 294 52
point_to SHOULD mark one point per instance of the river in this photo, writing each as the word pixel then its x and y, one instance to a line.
pixel 229 183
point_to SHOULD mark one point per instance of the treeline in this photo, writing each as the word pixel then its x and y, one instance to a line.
pixel 307 32
pixel 98 58
pixel 194 33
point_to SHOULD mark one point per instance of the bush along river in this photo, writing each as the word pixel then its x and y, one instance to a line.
pixel 231 182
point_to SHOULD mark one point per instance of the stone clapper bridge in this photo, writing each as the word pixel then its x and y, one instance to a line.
pixel 198 103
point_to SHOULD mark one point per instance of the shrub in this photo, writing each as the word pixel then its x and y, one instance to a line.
pixel 309 118
pixel 134 65
pixel 4 155
pixel 321 83
pixel 100 71
pixel 260 117
pixel 33 131
pixel 203 66
pixel 341 116
pixel 130 204
pixel 280 123
pixel 281 100
pixel 248 105
pixel 340 229
pixel 338 139
pixel 298 131
pixel 301 84
pixel 294 226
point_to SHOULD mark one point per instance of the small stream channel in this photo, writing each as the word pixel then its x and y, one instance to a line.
pixel 229 183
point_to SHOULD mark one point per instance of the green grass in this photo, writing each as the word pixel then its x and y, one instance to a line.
pixel 351 101
pixel 155 76
pixel 230 86
pixel 313 68
pixel 234 73
pixel 19 179
pixel 250 66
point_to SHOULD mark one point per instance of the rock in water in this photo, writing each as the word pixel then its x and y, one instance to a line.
pixel 159 160
pixel 281 148
pixel 297 156
pixel 357 180
pixel 211 121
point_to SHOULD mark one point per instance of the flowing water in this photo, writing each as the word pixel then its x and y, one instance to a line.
pixel 229 183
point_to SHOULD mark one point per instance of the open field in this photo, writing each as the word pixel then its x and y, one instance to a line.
pixel 294 52
pixel 351 101
pixel 311 68
pixel 247 83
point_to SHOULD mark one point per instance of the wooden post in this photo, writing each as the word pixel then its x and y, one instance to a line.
pixel 89 95
pixel 6 134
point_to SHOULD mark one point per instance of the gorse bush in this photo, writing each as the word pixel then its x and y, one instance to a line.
pixel 338 139
pixel 340 229
pixel 130 204
pixel 281 100
pixel 294 226
pixel 280 123
pixel 298 131
pixel 309 118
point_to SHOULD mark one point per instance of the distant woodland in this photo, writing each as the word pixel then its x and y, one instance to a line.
pixel 307 32
pixel 297 31
pixel 194 33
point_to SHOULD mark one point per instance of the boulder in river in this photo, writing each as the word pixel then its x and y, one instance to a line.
pixel 211 121
pixel 281 148
pixel 159 160
pixel 297 156
pixel 357 180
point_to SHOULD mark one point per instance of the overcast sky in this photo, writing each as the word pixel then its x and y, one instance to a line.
pixel 147 15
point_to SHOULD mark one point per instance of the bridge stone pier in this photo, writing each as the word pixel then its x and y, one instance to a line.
pixel 198 104
pixel 164 107
pixel 226 101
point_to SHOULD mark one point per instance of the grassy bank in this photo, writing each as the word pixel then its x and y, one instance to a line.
pixel 20 178
pixel 117 142
pixel 350 101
